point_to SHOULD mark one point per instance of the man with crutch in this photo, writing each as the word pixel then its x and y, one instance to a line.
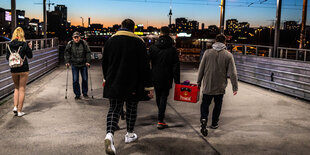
pixel 77 54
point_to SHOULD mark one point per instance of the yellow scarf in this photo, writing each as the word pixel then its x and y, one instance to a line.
pixel 126 33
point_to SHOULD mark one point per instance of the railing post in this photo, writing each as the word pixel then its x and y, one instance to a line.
pixel 37 45
pixel 269 55
pixel 245 49
pixel 42 44
pixel 305 56
pixel 286 53
pixel 281 53
pixel 1 49
pixel 256 50
pixel 297 54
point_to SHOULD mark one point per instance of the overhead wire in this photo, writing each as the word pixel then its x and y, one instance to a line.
pixel 262 3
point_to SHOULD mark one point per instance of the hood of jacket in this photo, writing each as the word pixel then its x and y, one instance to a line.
pixel 16 43
pixel 164 42
pixel 218 46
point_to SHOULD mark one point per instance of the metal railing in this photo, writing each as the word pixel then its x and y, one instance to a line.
pixel 265 51
pixel 37 44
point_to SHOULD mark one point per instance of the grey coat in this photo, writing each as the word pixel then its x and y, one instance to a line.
pixel 214 67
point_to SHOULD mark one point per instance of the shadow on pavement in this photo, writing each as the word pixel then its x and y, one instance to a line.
pixel 165 146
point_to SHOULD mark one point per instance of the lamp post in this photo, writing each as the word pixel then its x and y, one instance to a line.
pixel 45 19
pixel 277 29
pixel 303 25
pixel 222 20
pixel 13 15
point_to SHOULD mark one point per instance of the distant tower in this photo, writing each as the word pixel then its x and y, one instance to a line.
pixel 170 14
pixel 88 21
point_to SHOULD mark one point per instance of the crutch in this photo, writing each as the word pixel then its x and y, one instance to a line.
pixel 91 85
pixel 67 82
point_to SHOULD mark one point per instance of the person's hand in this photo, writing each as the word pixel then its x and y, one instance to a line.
pixel 67 65
pixel 151 94
pixel 87 64
pixel 103 82
pixel 30 44
pixel 235 93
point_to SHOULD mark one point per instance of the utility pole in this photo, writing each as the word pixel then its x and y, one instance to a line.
pixel 277 29
pixel 45 19
pixel 303 25
pixel 13 16
pixel 222 20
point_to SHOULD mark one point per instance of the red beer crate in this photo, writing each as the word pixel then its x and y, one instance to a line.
pixel 187 93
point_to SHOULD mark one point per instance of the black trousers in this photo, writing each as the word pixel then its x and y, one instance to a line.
pixel 204 109
pixel 161 100
pixel 116 106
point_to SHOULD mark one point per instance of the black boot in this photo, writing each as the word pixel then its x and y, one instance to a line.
pixel 204 130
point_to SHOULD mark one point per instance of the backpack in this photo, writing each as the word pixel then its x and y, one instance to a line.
pixel 15 59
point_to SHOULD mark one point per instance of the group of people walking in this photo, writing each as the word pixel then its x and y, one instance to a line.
pixel 131 74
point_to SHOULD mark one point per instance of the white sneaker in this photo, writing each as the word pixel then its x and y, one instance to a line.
pixel 109 144
pixel 15 110
pixel 20 114
pixel 130 137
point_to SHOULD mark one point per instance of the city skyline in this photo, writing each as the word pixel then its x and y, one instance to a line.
pixel 155 12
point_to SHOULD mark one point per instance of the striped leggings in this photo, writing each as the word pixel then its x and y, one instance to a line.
pixel 114 112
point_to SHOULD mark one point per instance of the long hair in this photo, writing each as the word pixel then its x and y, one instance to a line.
pixel 19 34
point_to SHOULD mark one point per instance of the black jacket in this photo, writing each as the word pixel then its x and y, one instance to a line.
pixel 24 52
pixel 125 67
pixel 165 63
pixel 77 54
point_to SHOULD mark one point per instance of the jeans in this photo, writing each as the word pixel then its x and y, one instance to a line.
pixel 161 100
pixel 76 83
pixel 204 109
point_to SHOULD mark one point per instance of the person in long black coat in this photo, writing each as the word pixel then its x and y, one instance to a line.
pixel 127 73
pixel 165 68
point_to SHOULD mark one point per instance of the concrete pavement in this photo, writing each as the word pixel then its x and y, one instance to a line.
pixel 256 121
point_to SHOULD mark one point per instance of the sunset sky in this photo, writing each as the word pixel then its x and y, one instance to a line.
pixel 154 12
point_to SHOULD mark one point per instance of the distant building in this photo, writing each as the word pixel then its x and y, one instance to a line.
pixel 3 23
pixel 244 25
pixel 232 25
pixel 152 29
pixel 202 26
pixel 116 27
pixel 139 28
pixel 181 24
pixel 64 15
pixel 54 22
pixel 214 29
pixel 193 25
pixel 291 25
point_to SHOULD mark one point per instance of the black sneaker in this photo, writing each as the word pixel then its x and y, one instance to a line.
pixel 86 96
pixel 204 130
pixel 77 97
pixel 214 126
